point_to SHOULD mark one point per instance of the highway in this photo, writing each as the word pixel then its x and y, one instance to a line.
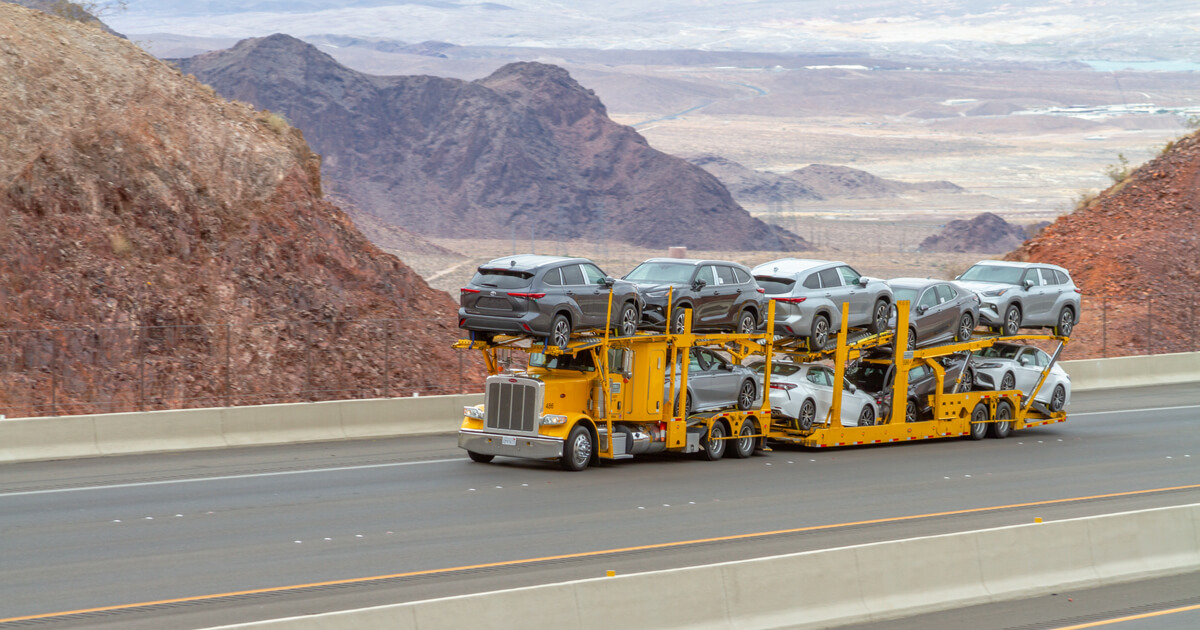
pixel 189 540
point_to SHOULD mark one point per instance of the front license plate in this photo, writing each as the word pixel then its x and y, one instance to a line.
pixel 508 441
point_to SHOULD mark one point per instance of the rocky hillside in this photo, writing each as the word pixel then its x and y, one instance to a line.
pixel 749 186
pixel 842 181
pixel 132 196
pixel 1135 249
pixel 986 233
pixel 65 9
pixel 525 151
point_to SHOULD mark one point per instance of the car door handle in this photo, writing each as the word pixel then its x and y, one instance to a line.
pixel 828 295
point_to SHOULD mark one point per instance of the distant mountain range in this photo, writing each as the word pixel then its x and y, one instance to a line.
pixel 524 151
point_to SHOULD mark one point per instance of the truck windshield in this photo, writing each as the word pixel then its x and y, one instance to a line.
pixel 581 361
pixel 666 273
pixel 993 273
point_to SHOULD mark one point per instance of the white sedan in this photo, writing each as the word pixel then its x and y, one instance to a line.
pixel 803 393
pixel 1013 366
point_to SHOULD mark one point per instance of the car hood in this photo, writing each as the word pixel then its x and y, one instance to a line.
pixel 980 287
pixel 647 287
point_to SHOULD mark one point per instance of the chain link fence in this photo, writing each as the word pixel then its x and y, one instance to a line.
pixel 82 370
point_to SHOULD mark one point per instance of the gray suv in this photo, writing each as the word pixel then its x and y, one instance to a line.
pixel 809 294
pixel 1020 295
pixel 721 295
pixel 545 295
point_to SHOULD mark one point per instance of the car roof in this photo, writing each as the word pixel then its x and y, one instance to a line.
pixel 694 262
pixel 1018 264
pixel 914 283
pixel 792 266
pixel 528 262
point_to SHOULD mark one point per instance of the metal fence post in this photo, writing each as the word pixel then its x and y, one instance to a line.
pixel 1192 320
pixel 1104 326
pixel 1150 325
pixel 460 373
pixel 308 384
pixel 53 373
pixel 141 368
pixel 228 363
pixel 387 354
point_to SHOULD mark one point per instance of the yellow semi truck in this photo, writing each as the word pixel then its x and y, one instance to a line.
pixel 606 398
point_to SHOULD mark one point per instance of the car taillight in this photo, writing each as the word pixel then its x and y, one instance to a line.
pixel 761 290
pixel 784 386
pixel 790 300
pixel 466 290
pixel 532 296
pixel 1078 290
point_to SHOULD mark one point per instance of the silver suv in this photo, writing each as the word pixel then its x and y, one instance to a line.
pixel 809 294
pixel 1020 295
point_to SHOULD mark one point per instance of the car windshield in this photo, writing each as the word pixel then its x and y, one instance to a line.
pixel 993 273
pixel 502 278
pixel 581 361
pixel 998 352
pixel 779 369
pixel 904 294
pixel 663 272
pixel 775 286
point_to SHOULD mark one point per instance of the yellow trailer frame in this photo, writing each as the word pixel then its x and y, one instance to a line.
pixel 953 414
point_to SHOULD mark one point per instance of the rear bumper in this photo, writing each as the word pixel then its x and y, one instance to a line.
pixel 531 322
pixel 528 447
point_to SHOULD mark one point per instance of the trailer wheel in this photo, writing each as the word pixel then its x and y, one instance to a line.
pixel 746 395
pixel 1058 399
pixel 480 457
pixel 808 413
pixel 577 450
pixel 979 418
pixel 714 446
pixel 743 447
pixel 1003 425
pixel 627 324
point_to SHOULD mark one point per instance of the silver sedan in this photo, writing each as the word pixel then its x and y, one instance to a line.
pixel 1006 366
pixel 803 394
pixel 939 311
pixel 716 383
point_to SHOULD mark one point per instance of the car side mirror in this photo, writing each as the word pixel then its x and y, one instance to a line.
pixel 609 281
pixel 921 309
pixel 700 283
pixel 1028 283
pixel 863 280
pixel 853 389
pixel 1023 360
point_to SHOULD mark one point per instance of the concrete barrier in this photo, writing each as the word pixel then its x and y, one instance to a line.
pixel 1158 369
pixel 820 589
pixel 30 439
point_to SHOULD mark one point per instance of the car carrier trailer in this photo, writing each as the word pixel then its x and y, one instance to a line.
pixel 605 397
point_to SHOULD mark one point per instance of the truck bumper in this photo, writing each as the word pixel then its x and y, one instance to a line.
pixel 524 446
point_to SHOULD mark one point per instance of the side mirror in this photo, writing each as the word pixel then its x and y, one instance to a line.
pixel 853 389
pixel 1023 360
pixel 609 281
pixel 863 280
pixel 700 283
pixel 921 309
pixel 1028 283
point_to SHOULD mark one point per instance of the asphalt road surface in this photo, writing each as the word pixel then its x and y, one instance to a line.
pixel 191 540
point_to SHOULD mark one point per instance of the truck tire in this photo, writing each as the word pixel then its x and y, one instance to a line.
pixel 714 448
pixel 979 424
pixel 744 446
pixel 577 450
pixel 480 457
pixel 1003 424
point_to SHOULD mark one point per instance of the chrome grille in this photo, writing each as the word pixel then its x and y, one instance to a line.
pixel 512 404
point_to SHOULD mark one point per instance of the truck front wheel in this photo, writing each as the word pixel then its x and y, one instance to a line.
pixel 577 450
pixel 480 457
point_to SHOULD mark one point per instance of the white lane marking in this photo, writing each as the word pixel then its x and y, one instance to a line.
pixel 228 477
pixel 1101 413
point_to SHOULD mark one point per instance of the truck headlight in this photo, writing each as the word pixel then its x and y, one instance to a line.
pixel 553 418
pixel 473 412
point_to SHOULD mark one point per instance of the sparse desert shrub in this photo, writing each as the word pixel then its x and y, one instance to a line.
pixel 1119 171
pixel 87 11
pixel 1085 199
pixel 275 122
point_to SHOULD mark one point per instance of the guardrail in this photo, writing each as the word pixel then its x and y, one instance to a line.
pixel 818 589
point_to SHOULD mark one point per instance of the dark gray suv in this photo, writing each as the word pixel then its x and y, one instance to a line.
pixel 545 295
pixel 721 295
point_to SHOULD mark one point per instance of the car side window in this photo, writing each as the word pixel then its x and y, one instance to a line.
pixel 946 293
pixel 928 298
pixel 1049 277
pixel 819 377
pixel 553 277
pixel 849 276
pixel 1031 274
pixel 1062 277
pixel 812 282
pixel 917 373
pixel 572 275
pixel 829 278
pixel 706 274
pixel 1041 358
pixel 593 274
pixel 725 275
pixel 742 276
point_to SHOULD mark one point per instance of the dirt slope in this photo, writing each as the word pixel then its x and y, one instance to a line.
pixel 1138 243
pixel 132 196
